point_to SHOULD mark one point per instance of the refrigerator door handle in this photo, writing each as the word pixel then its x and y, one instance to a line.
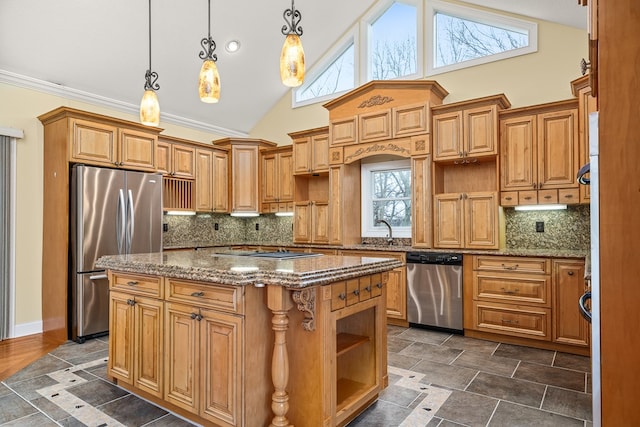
pixel 120 224
pixel 98 277
pixel 130 222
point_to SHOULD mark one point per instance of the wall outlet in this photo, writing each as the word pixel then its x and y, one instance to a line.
pixel 165 227
pixel 216 226
pixel 257 227
pixel 540 226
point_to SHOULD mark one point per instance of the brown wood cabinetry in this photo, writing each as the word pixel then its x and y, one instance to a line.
pixel 277 179
pixel 466 220
pixel 176 157
pixel 212 174
pixel 310 151
pixel 421 212
pixel 539 154
pixel 244 173
pixel 569 327
pixel 311 222
pixel 467 131
pixel 527 301
pixel 100 143
pixel 396 285
pixel 587 104
pixel 382 110
pixel 135 331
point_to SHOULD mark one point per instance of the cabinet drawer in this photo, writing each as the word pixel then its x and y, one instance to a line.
pixel 353 291
pixel 377 282
pixel 569 196
pixel 547 196
pixel 512 264
pixel 525 289
pixel 338 295
pixel 516 320
pixel 528 197
pixel 365 288
pixel 136 284
pixel 226 298
pixel 509 198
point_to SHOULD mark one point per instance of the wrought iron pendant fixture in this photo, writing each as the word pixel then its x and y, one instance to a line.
pixel 149 106
pixel 209 79
pixel 292 56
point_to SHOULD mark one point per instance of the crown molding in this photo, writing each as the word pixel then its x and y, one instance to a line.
pixel 125 107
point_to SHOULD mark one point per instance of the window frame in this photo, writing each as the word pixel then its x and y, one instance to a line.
pixel 480 16
pixel 365 35
pixel 328 59
pixel 367 228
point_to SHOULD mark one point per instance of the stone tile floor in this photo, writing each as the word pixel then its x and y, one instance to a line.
pixel 435 379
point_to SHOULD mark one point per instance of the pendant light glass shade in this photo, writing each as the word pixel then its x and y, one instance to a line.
pixel 209 82
pixel 292 61
pixel 150 108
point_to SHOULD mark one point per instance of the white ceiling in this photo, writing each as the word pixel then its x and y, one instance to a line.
pixel 100 47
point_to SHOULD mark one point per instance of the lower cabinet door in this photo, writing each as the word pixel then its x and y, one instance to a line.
pixel 221 368
pixel 121 337
pixel 149 333
pixel 181 352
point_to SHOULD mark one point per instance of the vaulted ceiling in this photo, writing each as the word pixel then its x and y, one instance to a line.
pixel 99 48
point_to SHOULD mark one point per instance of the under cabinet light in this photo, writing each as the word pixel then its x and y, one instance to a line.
pixel 244 214
pixel 184 213
pixel 541 207
pixel 284 213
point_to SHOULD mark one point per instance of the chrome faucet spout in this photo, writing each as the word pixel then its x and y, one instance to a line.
pixel 390 238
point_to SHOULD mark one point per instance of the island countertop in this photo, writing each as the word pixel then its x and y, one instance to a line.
pixel 238 269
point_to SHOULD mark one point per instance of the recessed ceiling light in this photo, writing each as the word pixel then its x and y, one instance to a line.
pixel 232 46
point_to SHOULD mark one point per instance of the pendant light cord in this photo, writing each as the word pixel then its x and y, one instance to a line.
pixel 149 35
pixel 209 17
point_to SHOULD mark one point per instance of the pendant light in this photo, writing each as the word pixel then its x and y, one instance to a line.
pixel 292 56
pixel 209 79
pixel 149 106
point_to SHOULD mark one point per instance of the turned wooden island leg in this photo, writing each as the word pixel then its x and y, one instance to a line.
pixel 279 302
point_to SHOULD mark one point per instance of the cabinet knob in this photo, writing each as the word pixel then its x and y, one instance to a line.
pixel 570 273
pixel 368 288
pixel 547 197
pixel 584 66
pixel 508 198
pixel 510 267
pixel 568 196
pixel 540 185
pixel 356 292
pixel 132 283
pixel 197 294
pixel 379 285
pixel 131 302
pixel 342 296
pixel 527 198
pixel 535 185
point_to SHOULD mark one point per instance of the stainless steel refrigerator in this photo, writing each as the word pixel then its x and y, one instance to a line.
pixel 112 212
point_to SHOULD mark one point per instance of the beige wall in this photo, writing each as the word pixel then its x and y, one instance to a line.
pixel 530 79
pixel 536 78
pixel 19 109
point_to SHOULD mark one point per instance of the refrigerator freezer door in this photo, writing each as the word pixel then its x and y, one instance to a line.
pixel 92 309
pixel 144 212
pixel 95 210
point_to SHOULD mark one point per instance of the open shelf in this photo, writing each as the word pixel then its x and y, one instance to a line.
pixel 348 391
pixel 346 342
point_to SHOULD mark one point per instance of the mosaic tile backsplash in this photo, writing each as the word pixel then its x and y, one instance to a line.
pixel 563 229
pixel 566 229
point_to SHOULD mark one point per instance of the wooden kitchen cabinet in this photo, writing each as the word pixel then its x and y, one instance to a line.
pixel 539 154
pixel 421 212
pixel 310 151
pixel 569 327
pixel 587 104
pixel 103 144
pixel 176 157
pixel 531 301
pixel 396 285
pixel 277 179
pixel 244 174
pixel 466 220
pixel 311 222
pixel 212 193
pixel 466 132
pixel 136 333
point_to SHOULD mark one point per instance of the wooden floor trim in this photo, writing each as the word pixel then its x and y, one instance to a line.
pixel 17 353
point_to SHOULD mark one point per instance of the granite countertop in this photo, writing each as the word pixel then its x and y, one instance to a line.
pixel 224 267
pixel 553 253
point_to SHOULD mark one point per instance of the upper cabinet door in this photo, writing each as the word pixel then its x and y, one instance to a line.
pixel 481 131
pixel 163 157
pixel 518 155
pixel 204 180
pixel 481 216
pixel 558 155
pixel 137 150
pixel 320 153
pixel 448 220
pixel 93 142
pixel 184 161
pixel 269 178
pixel 447 136
pixel 302 156
pixel 285 176
pixel 220 181
pixel 244 180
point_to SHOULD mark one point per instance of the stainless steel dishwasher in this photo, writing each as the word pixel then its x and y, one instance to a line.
pixel 434 297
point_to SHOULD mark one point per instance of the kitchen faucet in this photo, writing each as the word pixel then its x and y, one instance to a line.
pixel 390 237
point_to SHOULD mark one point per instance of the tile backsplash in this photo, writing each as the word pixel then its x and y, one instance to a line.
pixel 200 230
pixel 563 229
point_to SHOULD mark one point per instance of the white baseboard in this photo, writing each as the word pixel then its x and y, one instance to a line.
pixel 27 329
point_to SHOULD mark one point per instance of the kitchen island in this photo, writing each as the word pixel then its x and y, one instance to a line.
pixel 225 338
